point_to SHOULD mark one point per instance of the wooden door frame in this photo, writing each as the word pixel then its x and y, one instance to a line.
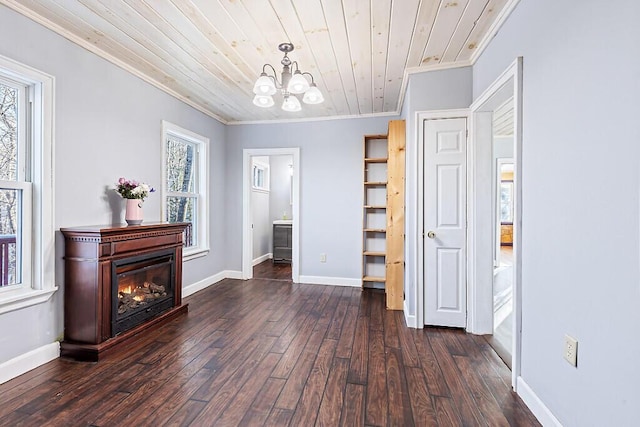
pixel 480 206
pixel 421 116
pixel 247 241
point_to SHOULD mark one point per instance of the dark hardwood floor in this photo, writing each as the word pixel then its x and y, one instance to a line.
pixel 268 270
pixel 274 353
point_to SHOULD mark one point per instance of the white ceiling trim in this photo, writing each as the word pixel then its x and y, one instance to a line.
pixel 315 119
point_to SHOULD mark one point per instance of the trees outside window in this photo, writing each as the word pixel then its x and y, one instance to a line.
pixel 185 182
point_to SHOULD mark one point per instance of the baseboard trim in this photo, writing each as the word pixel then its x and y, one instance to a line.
pixel 28 361
pixel 408 318
pixel 261 259
pixel 331 281
pixel 233 274
pixel 537 406
pixel 209 281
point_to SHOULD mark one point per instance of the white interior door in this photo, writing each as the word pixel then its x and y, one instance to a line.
pixel 445 222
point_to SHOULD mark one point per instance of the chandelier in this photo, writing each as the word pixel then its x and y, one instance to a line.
pixel 289 85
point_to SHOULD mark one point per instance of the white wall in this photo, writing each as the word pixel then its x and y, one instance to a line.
pixel 435 90
pixel 107 125
pixel 330 189
pixel 581 185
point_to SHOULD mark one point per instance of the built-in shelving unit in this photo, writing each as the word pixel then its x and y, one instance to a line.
pixel 383 214
pixel 375 205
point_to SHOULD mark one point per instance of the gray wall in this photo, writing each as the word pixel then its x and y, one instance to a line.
pixel 435 90
pixel 330 189
pixel 107 125
pixel 581 186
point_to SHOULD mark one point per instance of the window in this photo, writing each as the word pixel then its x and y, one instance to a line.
pixel 184 185
pixel 506 202
pixel 26 210
pixel 260 176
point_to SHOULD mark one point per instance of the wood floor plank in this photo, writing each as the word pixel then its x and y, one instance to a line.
pixel 279 418
pixel 307 410
pixel 335 325
pixel 360 352
pixel 421 404
pixel 434 375
pixel 406 338
pixel 343 360
pixel 446 413
pixel 235 410
pixel 298 378
pixel 399 402
pixel 353 412
pixel 469 413
pixel 186 414
pixel 228 390
pixel 480 392
pixel 376 391
pixel 390 329
pixel 345 343
pixel 263 403
pixel 334 394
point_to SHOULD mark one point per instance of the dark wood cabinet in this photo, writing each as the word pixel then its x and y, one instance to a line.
pixel 93 255
pixel 282 243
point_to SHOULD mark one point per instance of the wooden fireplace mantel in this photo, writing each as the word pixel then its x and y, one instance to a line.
pixel 90 252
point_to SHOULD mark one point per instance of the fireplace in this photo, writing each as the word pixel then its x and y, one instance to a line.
pixel 142 287
pixel 119 282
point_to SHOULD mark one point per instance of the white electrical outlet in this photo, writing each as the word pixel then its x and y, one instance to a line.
pixel 571 350
pixel 323 257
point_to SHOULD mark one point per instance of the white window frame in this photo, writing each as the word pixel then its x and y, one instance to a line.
pixel 38 279
pixel 202 179
pixel 257 167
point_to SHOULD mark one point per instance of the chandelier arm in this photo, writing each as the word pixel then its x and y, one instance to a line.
pixel 310 75
pixel 277 82
pixel 296 64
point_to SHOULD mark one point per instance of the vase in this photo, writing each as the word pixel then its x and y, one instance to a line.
pixel 133 212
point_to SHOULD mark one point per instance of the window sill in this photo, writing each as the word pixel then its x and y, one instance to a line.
pixel 190 254
pixel 22 298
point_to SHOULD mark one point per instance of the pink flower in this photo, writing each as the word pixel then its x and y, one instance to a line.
pixel 121 181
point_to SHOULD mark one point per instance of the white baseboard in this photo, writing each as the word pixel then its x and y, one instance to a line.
pixel 233 274
pixel 332 281
pixel 208 281
pixel 261 259
pixel 537 406
pixel 408 318
pixel 28 361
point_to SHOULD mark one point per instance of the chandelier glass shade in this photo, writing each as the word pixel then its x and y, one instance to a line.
pixel 288 84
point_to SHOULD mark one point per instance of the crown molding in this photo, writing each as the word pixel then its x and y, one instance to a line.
pixel 313 119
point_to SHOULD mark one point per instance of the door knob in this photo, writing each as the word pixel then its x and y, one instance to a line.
pixel 431 235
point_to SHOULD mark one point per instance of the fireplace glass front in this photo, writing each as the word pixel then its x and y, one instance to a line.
pixel 142 287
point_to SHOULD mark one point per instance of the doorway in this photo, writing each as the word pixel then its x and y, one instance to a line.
pixel 270 196
pixel 495 216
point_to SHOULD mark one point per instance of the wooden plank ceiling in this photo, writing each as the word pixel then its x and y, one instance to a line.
pixel 210 52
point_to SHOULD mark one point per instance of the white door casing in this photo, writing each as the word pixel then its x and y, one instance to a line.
pixel 445 145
